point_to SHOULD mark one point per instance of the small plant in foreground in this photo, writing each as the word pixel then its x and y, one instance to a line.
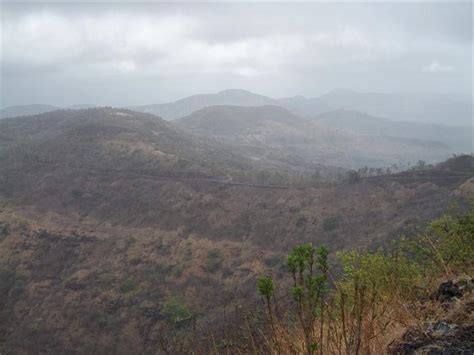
pixel 375 294
pixel 308 267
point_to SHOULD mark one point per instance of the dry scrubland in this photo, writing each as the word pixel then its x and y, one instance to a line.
pixel 115 239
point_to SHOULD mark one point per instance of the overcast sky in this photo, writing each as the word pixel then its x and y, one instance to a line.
pixel 122 53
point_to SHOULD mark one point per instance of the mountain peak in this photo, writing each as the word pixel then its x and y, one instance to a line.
pixel 240 94
pixel 235 91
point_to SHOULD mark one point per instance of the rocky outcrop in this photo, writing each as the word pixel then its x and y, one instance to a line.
pixel 454 334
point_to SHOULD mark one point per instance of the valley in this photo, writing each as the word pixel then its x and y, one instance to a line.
pixel 115 216
pixel 235 178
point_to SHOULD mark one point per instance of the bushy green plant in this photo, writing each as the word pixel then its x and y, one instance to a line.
pixel 265 287
pixel 308 267
pixel 389 274
pixel 176 313
pixel 453 239
pixel 128 285
pixel 447 245
pixel 372 293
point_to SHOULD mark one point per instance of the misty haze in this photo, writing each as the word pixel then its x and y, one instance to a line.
pixel 236 178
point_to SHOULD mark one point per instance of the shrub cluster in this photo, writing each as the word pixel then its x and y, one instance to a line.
pixel 357 310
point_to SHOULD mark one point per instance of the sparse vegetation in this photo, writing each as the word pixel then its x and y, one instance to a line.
pixel 301 221
pixel 135 260
pixel 330 223
pixel 352 176
pixel 7 279
pixel 128 285
pixel 214 260
pixel 178 270
pixel 176 313
pixel 141 238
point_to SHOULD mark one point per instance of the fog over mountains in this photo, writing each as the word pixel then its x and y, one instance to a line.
pixel 441 109
pixel 189 104
pixel 341 128
pixel 246 177
pixel 428 108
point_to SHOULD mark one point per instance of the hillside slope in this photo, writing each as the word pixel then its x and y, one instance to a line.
pixel 111 229
pixel 97 252
pixel 238 120
pixel 434 109
pixel 335 139
pixel 106 139
pixel 456 139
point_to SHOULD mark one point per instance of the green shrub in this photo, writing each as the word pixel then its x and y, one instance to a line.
pixel 176 313
pixel 265 287
pixel 390 275
pixel 128 285
pixel 372 293
pixel 446 245
pixel 330 223
pixel 308 267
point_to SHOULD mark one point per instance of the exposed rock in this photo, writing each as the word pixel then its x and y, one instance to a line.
pixel 452 335
pixel 440 338
pixel 447 291
pixel 442 328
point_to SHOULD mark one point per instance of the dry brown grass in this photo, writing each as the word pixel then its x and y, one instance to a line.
pixel 375 330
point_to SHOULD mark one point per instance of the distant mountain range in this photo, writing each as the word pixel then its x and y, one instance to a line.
pixel 341 138
pixel 457 139
pixel 284 134
pixel 193 103
pixel 438 109
pixel 426 108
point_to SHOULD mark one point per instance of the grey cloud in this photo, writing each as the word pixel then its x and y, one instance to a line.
pixel 126 53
